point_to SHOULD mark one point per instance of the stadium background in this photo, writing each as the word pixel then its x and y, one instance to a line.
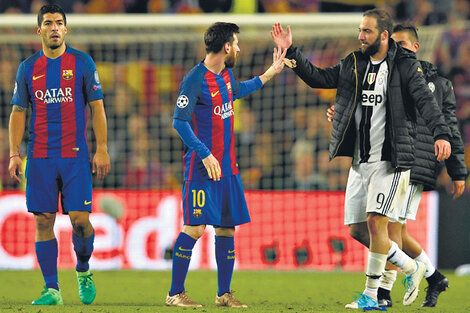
pixel 294 194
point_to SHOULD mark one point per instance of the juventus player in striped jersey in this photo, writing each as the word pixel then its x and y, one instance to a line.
pixel 378 89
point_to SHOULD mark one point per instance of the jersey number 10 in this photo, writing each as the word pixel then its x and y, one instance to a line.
pixel 199 198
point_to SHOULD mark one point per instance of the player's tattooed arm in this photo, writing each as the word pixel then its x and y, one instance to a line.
pixel 17 108
pixel 16 130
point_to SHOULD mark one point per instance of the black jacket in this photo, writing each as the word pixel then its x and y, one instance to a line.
pixel 406 92
pixel 426 168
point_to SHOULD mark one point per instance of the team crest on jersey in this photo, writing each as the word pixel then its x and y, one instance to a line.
pixel 197 213
pixel 182 101
pixel 371 78
pixel 229 86
pixel 432 86
pixel 67 74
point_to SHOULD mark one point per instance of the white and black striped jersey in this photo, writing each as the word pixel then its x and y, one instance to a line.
pixel 372 138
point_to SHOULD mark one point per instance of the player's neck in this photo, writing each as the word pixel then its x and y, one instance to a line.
pixel 54 53
pixel 381 54
pixel 215 62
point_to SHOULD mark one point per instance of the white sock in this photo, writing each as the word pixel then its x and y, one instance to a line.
pixel 430 269
pixel 375 267
pixel 387 279
pixel 399 258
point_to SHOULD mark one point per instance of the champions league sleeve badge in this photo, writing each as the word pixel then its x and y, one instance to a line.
pixel 182 101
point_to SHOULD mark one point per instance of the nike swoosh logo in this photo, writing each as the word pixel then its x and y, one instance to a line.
pixel 411 293
pixel 182 249
pixel 37 77
pixel 231 251
pixel 213 94
pixel 86 202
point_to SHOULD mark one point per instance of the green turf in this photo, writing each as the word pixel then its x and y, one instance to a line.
pixel 266 291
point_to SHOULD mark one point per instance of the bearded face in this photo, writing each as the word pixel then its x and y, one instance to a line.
pixel 231 59
pixel 371 49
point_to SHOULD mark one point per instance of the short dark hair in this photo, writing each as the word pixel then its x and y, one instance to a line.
pixel 218 34
pixel 407 27
pixel 384 20
pixel 50 8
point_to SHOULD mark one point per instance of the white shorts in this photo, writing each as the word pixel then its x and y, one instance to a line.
pixel 374 188
pixel 409 207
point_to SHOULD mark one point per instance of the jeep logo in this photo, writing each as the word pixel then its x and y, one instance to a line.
pixel 372 98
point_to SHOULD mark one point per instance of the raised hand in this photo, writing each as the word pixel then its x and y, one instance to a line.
pixel 278 59
pixel 282 39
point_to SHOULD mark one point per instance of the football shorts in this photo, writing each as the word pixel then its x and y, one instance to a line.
pixel 47 178
pixel 409 207
pixel 218 203
pixel 374 188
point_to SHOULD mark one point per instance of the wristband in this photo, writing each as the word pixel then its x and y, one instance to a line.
pixel 15 155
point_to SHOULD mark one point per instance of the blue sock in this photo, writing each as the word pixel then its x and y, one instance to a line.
pixel 46 252
pixel 83 248
pixel 225 257
pixel 181 257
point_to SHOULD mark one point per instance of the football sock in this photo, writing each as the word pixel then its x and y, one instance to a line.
pixel 225 257
pixel 181 257
pixel 375 267
pixel 46 252
pixel 387 279
pixel 435 278
pixel 430 269
pixel 83 248
pixel 399 258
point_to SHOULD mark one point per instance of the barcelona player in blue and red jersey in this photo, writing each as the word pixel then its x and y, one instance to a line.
pixel 58 82
pixel 212 190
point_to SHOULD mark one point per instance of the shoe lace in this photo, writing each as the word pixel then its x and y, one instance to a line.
pixel 45 290
pixel 407 282
pixel 359 295
pixel 232 298
pixel 184 296
pixel 86 279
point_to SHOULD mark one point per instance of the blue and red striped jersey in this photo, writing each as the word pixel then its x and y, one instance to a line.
pixel 58 90
pixel 205 101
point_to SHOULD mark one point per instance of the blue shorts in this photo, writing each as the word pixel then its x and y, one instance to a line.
pixel 46 178
pixel 218 203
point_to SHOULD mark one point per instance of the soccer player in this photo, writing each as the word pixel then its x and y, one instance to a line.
pixel 212 191
pixel 58 82
pixel 423 174
pixel 378 87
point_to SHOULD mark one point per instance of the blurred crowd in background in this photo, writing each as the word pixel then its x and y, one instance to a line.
pixel 281 131
pixel 423 12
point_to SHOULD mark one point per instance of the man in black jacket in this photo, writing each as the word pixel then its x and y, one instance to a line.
pixel 423 177
pixel 424 173
pixel 379 89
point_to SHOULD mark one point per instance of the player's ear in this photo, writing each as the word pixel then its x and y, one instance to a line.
pixel 38 30
pixel 65 30
pixel 227 47
pixel 385 35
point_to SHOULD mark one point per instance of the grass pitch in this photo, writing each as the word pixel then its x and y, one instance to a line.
pixel 263 291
